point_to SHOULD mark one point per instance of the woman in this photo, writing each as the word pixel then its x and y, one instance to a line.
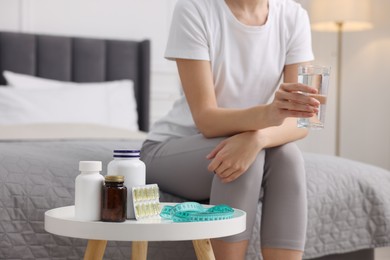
pixel 222 139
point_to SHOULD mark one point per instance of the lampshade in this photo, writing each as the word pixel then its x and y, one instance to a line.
pixel 354 15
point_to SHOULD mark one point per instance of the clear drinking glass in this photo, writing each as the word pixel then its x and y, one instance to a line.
pixel 318 78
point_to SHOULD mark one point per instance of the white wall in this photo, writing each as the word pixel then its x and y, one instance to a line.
pixel 9 15
pixel 366 77
pixel 366 55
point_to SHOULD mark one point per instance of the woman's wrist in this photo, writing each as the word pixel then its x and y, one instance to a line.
pixel 267 117
pixel 261 139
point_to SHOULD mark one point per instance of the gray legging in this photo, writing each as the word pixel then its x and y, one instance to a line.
pixel 179 166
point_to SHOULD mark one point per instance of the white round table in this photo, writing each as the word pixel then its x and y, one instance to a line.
pixel 61 221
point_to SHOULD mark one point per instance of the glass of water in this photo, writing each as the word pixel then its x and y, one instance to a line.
pixel 316 77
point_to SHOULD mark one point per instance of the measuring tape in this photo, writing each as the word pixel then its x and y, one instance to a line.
pixel 194 212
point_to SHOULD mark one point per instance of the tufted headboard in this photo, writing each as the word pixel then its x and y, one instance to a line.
pixel 80 60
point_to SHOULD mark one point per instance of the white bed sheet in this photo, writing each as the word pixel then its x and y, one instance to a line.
pixel 49 131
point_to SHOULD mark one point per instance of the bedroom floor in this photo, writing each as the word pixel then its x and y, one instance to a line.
pixel 382 253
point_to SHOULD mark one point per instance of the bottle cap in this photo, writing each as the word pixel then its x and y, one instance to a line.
pixel 90 166
pixel 126 153
pixel 114 178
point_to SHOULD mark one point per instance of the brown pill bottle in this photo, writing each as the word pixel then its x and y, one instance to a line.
pixel 114 199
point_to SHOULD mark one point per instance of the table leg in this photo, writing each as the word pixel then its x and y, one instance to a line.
pixel 139 250
pixel 95 249
pixel 203 249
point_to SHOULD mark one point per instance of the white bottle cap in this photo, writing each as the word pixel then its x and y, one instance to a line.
pixel 90 166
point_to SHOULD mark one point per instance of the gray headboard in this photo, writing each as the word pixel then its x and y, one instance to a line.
pixel 80 60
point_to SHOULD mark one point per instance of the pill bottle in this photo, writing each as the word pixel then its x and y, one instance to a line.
pixel 114 198
pixel 128 164
pixel 88 190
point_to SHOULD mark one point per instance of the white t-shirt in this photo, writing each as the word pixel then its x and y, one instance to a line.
pixel 247 61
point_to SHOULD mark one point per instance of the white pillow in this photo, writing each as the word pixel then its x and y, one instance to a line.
pixel 105 104
pixel 27 81
pixel 118 102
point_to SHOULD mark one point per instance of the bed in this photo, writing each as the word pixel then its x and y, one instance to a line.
pixel 349 201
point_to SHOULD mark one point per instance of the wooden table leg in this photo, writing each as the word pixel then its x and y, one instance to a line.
pixel 203 249
pixel 95 249
pixel 139 250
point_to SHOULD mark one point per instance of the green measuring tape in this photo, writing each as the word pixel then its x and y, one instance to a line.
pixel 194 212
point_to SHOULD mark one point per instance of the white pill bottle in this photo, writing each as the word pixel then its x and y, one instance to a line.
pixel 88 191
pixel 128 164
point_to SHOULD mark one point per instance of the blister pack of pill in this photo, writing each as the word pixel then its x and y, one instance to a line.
pixel 146 201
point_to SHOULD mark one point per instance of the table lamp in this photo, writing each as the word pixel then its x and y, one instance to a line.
pixel 340 16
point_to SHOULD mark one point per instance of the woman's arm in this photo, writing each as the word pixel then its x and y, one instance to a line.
pixel 212 121
pixel 288 130
pixel 232 157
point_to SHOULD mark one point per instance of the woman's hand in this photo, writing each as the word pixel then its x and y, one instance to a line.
pixel 233 156
pixel 289 103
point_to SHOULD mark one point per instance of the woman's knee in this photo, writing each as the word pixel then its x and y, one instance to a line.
pixel 285 164
pixel 286 154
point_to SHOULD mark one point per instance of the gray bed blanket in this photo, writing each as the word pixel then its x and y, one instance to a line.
pixel 349 203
